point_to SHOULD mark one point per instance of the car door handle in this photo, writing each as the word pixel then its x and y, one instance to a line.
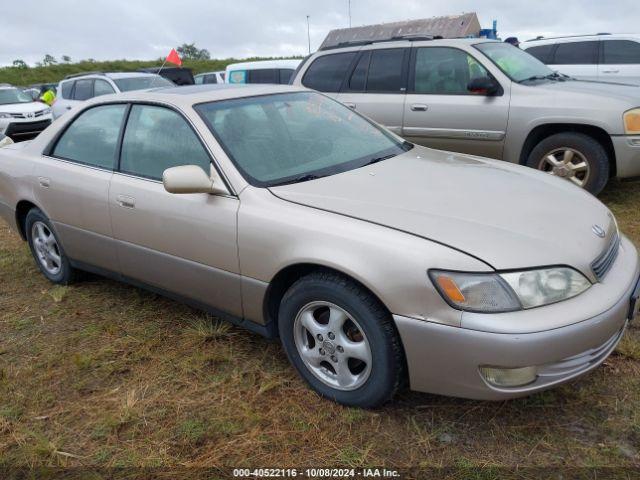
pixel 69 107
pixel 611 71
pixel 350 105
pixel 419 107
pixel 44 182
pixel 126 201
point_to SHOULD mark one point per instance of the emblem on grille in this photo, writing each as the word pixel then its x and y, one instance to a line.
pixel 30 115
pixel 598 230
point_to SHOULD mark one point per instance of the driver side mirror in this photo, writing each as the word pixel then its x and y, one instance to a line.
pixel 483 86
pixel 188 179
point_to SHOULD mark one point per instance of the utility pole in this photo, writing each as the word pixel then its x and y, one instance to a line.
pixel 349 13
pixel 308 35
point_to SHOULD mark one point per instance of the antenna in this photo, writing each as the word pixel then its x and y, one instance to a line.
pixel 349 13
pixel 308 35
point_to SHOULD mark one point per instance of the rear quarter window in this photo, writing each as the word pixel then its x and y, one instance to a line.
pixel 620 52
pixel 65 89
pixel 542 52
pixel 327 72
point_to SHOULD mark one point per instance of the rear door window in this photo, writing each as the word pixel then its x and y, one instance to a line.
pixel 576 53
pixel 83 90
pixel 326 73
pixel 285 75
pixel 385 71
pixel 92 138
pixel 620 52
pixel 445 71
pixel 158 138
pixel 542 52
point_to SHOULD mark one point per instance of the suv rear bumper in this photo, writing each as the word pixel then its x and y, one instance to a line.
pixel 627 149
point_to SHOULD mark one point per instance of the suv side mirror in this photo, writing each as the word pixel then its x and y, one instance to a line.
pixel 483 86
pixel 187 179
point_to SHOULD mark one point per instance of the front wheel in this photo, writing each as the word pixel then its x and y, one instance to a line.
pixel 341 340
pixel 574 156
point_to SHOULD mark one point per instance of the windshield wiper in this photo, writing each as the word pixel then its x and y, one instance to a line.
pixel 302 178
pixel 379 159
pixel 552 76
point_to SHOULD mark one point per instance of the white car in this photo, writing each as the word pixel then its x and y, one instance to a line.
pixel 603 57
pixel 209 77
pixel 20 117
pixel 267 71
pixel 75 89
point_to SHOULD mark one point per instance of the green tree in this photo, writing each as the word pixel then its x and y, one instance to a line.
pixel 20 63
pixel 189 51
pixel 49 60
pixel 66 58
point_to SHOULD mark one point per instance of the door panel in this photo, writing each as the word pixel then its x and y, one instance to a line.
pixel 620 61
pixel 440 113
pixel 577 59
pixel 181 243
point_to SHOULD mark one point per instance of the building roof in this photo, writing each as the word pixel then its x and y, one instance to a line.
pixel 453 26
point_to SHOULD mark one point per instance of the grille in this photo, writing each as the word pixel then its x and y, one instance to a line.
pixel 23 130
pixel 602 264
pixel 24 115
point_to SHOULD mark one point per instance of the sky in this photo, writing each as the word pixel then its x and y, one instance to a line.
pixel 148 29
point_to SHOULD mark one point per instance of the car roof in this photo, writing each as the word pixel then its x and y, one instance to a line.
pixel 579 38
pixel 405 42
pixel 192 94
pixel 111 75
pixel 263 64
pixel 208 73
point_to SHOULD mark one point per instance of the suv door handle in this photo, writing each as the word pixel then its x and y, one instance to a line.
pixel 350 105
pixel 611 71
pixel 126 201
pixel 419 107
pixel 68 107
pixel 44 182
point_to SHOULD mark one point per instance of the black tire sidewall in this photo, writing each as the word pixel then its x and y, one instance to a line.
pixel 593 151
pixel 65 275
pixel 383 379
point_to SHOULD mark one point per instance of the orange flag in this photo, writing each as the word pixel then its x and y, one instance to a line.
pixel 174 58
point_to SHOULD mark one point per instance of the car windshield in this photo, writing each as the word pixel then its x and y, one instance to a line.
pixel 13 95
pixel 294 137
pixel 140 83
pixel 517 64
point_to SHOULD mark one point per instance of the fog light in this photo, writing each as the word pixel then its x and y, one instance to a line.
pixel 509 377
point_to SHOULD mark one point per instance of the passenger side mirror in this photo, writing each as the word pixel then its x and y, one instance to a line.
pixel 483 86
pixel 187 179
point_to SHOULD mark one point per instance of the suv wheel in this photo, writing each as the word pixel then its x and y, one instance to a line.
pixel 47 250
pixel 575 157
pixel 341 340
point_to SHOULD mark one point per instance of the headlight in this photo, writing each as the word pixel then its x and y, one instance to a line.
pixel 632 122
pixel 507 292
pixel 46 111
pixel 5 115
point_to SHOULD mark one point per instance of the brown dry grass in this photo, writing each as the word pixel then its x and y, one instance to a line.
pixel 107 375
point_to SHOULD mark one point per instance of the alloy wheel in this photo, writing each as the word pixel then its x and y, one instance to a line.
pixel 46 248
pixel 567 163
pixel 332 345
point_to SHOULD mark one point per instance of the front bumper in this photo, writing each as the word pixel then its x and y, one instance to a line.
pixel 445 360
pixel 627 150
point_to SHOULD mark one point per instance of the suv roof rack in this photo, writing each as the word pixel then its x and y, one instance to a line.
pixel 75 75
pixel 541 37
pixel 412 37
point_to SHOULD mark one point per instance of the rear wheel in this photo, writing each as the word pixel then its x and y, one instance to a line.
pixel 575 157
pixel 341 340
pixel 47 250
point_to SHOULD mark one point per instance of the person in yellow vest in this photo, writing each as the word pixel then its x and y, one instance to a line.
pixel 47 96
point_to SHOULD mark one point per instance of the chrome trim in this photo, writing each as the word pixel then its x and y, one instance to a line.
pixel 601 265
pixel 489 135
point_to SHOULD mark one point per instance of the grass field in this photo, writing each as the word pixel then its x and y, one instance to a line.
pixel 107 375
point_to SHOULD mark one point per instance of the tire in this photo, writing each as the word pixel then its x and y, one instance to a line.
pixel 585 148
pixel 368 327
pixel 49 256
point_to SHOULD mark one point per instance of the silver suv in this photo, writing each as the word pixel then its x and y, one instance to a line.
pixel 486 98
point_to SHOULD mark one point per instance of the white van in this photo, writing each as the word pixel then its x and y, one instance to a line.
pixel 267 71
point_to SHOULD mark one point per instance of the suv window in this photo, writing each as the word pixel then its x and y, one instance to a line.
pixel 92 138
pixel 385 71
pixel 102 87
pixel 621 52
pixel 83 90
pixel 158 138
pixel 66 89
pixel 268 75
pixel 209 79
pixel 542 52
pixel 285 75
pixel 445 71
pixel 576 53
pixel 327 72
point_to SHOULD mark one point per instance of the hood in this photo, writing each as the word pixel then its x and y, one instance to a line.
pixel 619 91
pixel 506 215
pixel 30 107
